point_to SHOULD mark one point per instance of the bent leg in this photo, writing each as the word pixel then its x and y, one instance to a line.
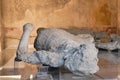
pixel 45 57
pixel 108 46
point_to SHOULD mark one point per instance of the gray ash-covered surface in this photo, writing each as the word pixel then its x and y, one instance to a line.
pixel 57 47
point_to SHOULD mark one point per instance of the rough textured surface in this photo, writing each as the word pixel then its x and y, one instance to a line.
pixel 114 44
pixel 118 15
pixel 90 14
pixel 73 12
pixel 0 28
pixel 0 37
pixel 56 47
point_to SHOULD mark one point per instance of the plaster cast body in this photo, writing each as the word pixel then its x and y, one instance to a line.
pixel 56 47
pixel 114 44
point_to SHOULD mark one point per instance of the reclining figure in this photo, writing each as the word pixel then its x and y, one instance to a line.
pixel 113 45
pixel 56 48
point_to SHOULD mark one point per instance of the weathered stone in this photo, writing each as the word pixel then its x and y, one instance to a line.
pixel 56 47
pixel 115 37
pixel 97 15
pixel 114 44
pixel 0 29
pixel 118 16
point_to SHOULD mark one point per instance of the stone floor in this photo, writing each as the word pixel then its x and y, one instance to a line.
pixel 108 62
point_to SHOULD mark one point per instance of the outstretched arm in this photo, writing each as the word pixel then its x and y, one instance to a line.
pixel 23 44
